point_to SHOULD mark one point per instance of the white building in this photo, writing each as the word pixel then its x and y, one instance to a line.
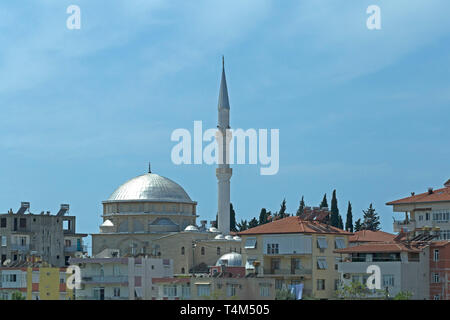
pixel 120 278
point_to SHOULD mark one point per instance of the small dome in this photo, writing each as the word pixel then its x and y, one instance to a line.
pixel 219 237
pixel 231 259
pixel 228 237
pixel 191 228
pixel 212 229
pixel 237 238
pixel 107 223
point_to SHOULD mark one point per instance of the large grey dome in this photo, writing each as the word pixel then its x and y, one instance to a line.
pixel 150 187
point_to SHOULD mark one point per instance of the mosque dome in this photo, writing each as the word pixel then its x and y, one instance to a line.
pixel 213 229
pixel 228 237
pixel 107 223
pixel 219 237
pixel 237 238
pixel 231 259
pixel 191 228
pixel 150 187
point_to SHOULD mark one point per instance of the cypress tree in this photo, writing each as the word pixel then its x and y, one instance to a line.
pixel 232 218
pixel 301 208
pixel 263 216
pixel 334 221
pixel 358 226
pixel 324 203
pixel 282 213
pixel 340 223
pixel 349 221
pixel 243 225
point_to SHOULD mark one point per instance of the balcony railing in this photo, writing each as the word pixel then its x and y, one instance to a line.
pixel 301 271
pixel 76 248
pixel 20 247
pixel 105 279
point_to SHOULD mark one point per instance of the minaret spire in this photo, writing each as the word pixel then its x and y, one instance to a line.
pixel 149 167
pixel 223 171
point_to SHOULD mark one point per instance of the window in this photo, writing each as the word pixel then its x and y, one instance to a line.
pixel 203 251
pixel 264 289
pixel 272 248
pixel 437 297
pixel 170 291
pixel 388 280
pixel 203 290
pixel 436 278
pixel 339 243
pixel 296 263
pixel 250 243
pixel 183 271
pixel 68 243
pixel 116 292
pixel 336 284
pixel 218 251
pixel 320 284
pixel 322 243
pixel 231 290
pixel 4 243
pixel 182 251
pixel 420 217
pixel 22 223
pixel 436 255
pixel 186 291
pixel 3 223
pixel 322 263
pixel 427 216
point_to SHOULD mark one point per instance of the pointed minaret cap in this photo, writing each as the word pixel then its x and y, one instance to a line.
pixel 223 93
pixel 149 168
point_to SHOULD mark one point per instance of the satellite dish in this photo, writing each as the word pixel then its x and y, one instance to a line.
pixel 6 262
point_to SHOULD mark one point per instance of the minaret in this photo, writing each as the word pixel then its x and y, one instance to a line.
pixel 223 171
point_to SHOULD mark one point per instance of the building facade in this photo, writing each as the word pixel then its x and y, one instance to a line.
pixel 295 251
pixel 440 270
pixel 425 212
pixel 53 238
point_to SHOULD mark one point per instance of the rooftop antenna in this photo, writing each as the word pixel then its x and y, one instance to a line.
pixel 149 168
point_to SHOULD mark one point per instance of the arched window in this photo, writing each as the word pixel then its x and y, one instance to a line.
pixel 203 251
pixel 182 251
pixel 218 251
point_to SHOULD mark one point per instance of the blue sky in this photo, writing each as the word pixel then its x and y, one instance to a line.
pixel 364 112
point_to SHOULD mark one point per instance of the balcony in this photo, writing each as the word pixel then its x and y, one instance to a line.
pixel 105 279
pixel 20 247
pixel 286 272
pixel 75 248
pixel 408 224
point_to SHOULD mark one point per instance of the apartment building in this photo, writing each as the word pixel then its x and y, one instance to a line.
pixel 119 278
pixel 295 251
pixel 404 266
pixel 34 282
pixel 440 270
pixel 424 212
pixel 51 237
pixel 222 283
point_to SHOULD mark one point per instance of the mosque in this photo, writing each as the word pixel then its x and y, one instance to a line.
pixel 154 216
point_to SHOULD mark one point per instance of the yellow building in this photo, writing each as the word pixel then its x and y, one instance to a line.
pixel 295 251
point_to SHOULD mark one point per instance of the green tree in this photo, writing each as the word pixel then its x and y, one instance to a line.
pixel 349 220
pixel 17 296
pixel 324 203
pixel 371 219
pixel 282 213
pixel 403 295
pixel 232 218
pixel 263 216
pixel 284 295
pixel 301 207
pixel 340 223
pixel 354 291
pixel 334 219
pixel 253 223
pixel 358 225
pixel 243 225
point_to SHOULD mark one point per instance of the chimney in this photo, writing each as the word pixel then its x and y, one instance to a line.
pixel 430 190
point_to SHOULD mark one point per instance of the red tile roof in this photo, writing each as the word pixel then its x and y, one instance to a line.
pixel 371 236
pixel 382 247
pixel 436 196
pixel 294 225
pixel 171 280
